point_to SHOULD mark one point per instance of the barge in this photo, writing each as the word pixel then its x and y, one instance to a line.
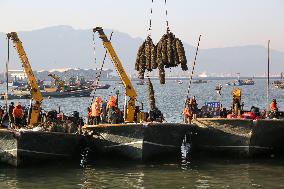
pixel 28 147
pixel 237 137
pixel 142 142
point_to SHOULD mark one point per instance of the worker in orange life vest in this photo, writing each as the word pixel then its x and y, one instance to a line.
pixel 18 115
pixel 96 110
pixel 187 114
pixel 273 106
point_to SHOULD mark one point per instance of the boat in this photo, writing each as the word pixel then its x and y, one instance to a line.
pixel 55 94
pixel 179 81
pixel 240 82
pixel 278 84
pixel 106 86
pixel 200 81
pixel 141 82
pixel 24 147
pixel 140 142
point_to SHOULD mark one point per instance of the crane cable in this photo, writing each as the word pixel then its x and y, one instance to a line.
pixel 167 21
pixel 98 76
pixel 192 72
pixel 150 20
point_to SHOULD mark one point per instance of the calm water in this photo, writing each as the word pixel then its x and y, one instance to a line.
pixel 191 173
pixel 117 174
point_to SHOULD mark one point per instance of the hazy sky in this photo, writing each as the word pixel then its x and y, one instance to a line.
pixel 221 22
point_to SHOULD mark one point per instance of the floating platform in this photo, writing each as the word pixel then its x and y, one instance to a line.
pixel 237 137
pixel 153 141
pixel 28 147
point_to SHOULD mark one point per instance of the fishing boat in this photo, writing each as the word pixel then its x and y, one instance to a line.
pixel 55 94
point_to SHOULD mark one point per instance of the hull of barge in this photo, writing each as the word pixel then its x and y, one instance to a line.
pixel 238 138
pixel 155 141
pixel 29 147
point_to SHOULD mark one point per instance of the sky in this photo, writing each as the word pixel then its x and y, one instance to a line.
pixel 222 23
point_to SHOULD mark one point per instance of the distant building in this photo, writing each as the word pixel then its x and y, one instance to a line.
pixel 17 74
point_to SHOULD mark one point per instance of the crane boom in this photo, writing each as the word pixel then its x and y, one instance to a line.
pixel 58 81
pixel 129 90
pixel 35 92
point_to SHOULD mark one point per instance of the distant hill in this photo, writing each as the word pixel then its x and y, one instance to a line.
pixel 64 47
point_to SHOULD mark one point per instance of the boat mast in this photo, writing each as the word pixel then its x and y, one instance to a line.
pixel 267 90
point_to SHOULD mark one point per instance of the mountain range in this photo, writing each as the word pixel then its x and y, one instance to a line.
pixel 65 47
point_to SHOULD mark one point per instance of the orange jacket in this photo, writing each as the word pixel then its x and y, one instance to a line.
pixel 273 106
pixel 111 103
pixel 96 109
pixel 18 112
pixel 187 112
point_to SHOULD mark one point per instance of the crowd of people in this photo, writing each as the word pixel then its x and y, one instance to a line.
pixel 16 114
pixel 102 111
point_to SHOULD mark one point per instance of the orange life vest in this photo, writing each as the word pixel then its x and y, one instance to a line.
pixel 273 106
pixel 187 112
pixel 18 112
pixel 96 109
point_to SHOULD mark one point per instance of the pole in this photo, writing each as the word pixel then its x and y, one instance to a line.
pixel 267 90
pixel 7 75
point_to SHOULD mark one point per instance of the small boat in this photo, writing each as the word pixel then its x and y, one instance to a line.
pixel 240 82
pixel 279 84
pixel 179 81
pixel 200 81
pixel 106 86
pixel 141 82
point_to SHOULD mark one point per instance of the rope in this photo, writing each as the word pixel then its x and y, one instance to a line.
pixel 167 21
pixel 150 21
pixel 100 72
pixel 192 72
pixel 94 49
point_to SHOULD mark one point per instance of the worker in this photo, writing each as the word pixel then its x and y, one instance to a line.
pixel 274 109
pixel 1 115
pixel 111 109
pixel 89 116
pixel 18 115
pixel 10 113
pixel 187 114
pixel 104 112
pixel 193 106
pixel 96 111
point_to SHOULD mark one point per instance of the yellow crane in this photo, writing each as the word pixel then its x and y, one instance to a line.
pixel 129 90
pixel 35 92
pixel 57 81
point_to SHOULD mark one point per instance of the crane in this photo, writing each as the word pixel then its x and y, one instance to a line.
pixel 57 81
pixel 129 90
pixel 35 92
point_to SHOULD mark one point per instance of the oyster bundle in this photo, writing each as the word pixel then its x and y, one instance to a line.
pixel 146 57
pixel 151 95
pixel 168 53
